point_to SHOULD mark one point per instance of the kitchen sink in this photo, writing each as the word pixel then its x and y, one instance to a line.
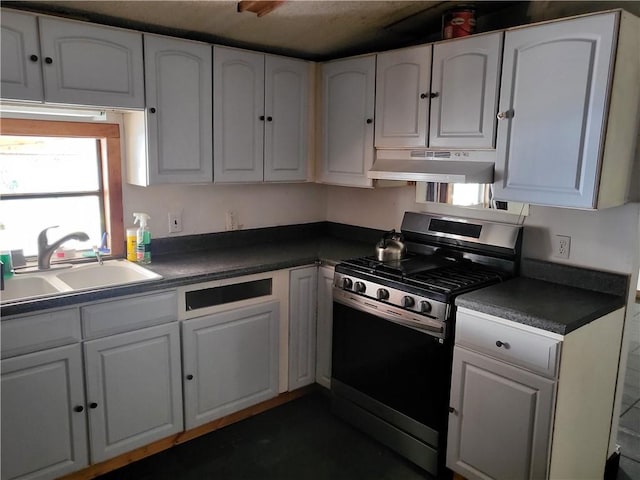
pixel 109 274
pixel 76 278
pixel 31 286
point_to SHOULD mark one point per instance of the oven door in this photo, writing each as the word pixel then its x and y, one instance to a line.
pixel 393 375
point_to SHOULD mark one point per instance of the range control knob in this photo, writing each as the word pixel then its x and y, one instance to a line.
pixel 408 301
pixel 347 283
pixel 383 294
pixel 425 307
pixel 360 287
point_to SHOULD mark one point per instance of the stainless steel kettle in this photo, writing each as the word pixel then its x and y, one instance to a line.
pixel 391 247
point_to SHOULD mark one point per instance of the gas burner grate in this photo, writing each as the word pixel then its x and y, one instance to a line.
pixel 456 278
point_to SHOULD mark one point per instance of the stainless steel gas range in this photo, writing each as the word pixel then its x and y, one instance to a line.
pixel 393 327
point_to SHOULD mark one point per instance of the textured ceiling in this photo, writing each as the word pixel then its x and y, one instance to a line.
pixel 303 28
pixel 312 29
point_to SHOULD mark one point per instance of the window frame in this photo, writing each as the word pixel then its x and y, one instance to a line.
pixel 108 136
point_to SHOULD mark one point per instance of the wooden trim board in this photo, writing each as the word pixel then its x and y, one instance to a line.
pixel 101 468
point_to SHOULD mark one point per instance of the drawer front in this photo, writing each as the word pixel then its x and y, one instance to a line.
pixel 32 333
pixel 108 318
pixel 511 344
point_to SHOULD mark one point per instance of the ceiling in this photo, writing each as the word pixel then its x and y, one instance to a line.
pixel 311 29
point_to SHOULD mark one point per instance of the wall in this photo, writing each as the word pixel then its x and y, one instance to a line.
pixel 204 207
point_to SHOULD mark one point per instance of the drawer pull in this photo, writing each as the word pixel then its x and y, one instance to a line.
pixel 503 344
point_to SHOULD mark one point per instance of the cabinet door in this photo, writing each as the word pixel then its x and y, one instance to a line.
pixel 286 136
pixel 133 389
pixel 20 72
pixel 89 64
pixel 179 110
pixel 500 420
pixel 348 101
pixel 465 92
pixel 230 361
pixel 302 326
pixel 238 110
pixel 403 79
pixel 324 329
pixel 553 99
pixel 44 429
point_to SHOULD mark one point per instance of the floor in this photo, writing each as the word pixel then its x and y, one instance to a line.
pixel 629 431
pixel 303 440
pixel 298 440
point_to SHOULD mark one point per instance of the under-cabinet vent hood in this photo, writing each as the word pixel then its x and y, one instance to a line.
pixel 455 166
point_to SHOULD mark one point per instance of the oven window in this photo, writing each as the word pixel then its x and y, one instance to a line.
pixel 405 369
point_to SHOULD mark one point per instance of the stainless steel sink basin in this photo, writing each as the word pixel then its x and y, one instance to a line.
pixel 31 286
pixel 110 273
pixel 79 277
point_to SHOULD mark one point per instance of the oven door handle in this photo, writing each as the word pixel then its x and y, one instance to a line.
pixel 390 313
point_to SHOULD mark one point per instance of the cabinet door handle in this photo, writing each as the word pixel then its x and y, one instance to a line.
pixel 152 110
pixel 453 410
pixel 434 95
pixel 33 58
pixel 269 119
pixel 369 120
pixel 261 117
pixel 189 377
pixel 78 408
pixel 423 95
pixel 48 60
pixel 503 115
pixel 93 405
pixel 503 344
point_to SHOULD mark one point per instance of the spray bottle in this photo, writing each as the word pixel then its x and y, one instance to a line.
pixel 143 238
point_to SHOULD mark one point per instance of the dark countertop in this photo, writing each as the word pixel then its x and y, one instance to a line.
pixel 178 269
pixel 574 298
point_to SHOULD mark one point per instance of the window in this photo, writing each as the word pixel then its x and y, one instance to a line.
pixel 60 173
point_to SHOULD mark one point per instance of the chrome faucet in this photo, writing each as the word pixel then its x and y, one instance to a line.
pixel 45 250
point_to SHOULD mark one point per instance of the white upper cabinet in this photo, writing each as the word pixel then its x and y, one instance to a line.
pixel 286 136
pixel 178 116
pixel 88 64
pixel 20 74
pixel 457 83
pixel 348 105
pixel 238 96
pixel 464 92
pixel 403 82
pixel 260 122
pixel 568 109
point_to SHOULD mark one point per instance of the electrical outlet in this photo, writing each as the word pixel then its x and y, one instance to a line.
pixel 561 246
pixel 175 222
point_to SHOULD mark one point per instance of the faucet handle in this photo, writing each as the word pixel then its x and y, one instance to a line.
pixel 42 236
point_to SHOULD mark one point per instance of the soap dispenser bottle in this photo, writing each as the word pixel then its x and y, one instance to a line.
pixel 143 238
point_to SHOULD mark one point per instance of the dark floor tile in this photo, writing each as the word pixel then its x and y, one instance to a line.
pixel 629 469
pixel 629 442
pixel 631 418
pixel 299 440
pixel 633 361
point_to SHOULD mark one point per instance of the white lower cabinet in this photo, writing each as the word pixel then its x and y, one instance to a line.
pixel 134 389
pixel 500 421
pixel 230 361
pixel 324 326
pixel 530 404
pixel 43 418
pixel 302 326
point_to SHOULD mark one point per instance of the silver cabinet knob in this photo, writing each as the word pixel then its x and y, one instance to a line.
pixel 503 115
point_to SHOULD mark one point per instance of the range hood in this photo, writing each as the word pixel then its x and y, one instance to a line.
pixel 438 166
